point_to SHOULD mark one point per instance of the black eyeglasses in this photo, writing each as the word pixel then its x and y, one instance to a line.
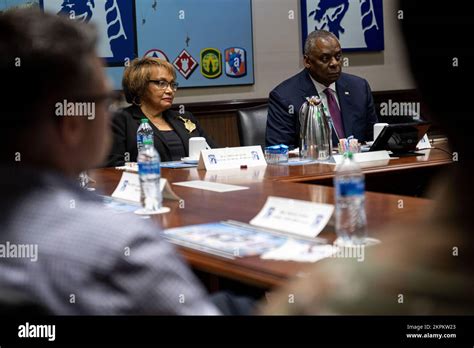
pixel 163 84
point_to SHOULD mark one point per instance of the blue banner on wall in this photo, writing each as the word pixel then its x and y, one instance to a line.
pixel 209 42
pixel 114 20
pixel 357 23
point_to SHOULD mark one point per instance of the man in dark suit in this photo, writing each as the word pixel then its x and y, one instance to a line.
pixel 348 98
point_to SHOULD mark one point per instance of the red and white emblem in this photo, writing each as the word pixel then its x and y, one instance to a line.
pixel 185 64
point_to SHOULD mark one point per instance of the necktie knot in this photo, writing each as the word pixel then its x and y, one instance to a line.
pixel 328 92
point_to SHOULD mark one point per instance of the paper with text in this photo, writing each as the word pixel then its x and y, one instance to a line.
pixel 128 188
pixel 424 143
pixel 232 158
pixel 361 157
pixel 294 216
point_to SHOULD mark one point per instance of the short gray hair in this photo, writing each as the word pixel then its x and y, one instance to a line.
pixel 315 35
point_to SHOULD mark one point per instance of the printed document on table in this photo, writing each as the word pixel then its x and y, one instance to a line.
pixel 210 186
pixel 225 239
pixel 300 251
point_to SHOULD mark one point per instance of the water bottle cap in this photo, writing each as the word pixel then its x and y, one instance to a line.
pixel 144 120
pixel 348 154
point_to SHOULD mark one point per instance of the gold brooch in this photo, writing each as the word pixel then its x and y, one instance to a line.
pixel 188 124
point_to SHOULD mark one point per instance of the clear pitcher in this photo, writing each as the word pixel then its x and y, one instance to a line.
pixel 315 131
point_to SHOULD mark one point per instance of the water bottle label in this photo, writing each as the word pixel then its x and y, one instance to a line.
pixel 148 168
pixel 350 187
pixel 141 138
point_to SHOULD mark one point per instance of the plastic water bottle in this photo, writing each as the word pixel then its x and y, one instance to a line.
pixel 144 132
pixel 149 174
pixel 349 184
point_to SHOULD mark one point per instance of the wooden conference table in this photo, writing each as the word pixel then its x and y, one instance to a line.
pixel 404 176
pixel 438 156
pixel 205 206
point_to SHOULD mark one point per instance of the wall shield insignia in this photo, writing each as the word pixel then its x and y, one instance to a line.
pixel 211 63
pixel 235 62
pixel 185 64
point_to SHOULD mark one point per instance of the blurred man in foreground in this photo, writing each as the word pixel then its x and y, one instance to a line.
pixel 61 249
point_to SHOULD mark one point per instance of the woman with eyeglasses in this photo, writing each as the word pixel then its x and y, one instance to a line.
pixel 149 84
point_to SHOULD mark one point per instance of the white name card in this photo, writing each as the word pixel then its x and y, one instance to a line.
pixel 294 216
pixel 232 158
pixel 370 156
pixel 424 143
pixel 232 176
pixel 129 188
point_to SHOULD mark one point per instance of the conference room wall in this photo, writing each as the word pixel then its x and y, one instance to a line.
pixel 278 55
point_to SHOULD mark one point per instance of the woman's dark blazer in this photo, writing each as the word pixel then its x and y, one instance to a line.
pixel 124 128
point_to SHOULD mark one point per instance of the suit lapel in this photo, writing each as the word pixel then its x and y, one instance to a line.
pixel 307 85
pixel 345 104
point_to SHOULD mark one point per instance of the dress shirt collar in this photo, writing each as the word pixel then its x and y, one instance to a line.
pixel 320 87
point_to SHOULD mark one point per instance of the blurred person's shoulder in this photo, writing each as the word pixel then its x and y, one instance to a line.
pixel 416 270
pixel 71 223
